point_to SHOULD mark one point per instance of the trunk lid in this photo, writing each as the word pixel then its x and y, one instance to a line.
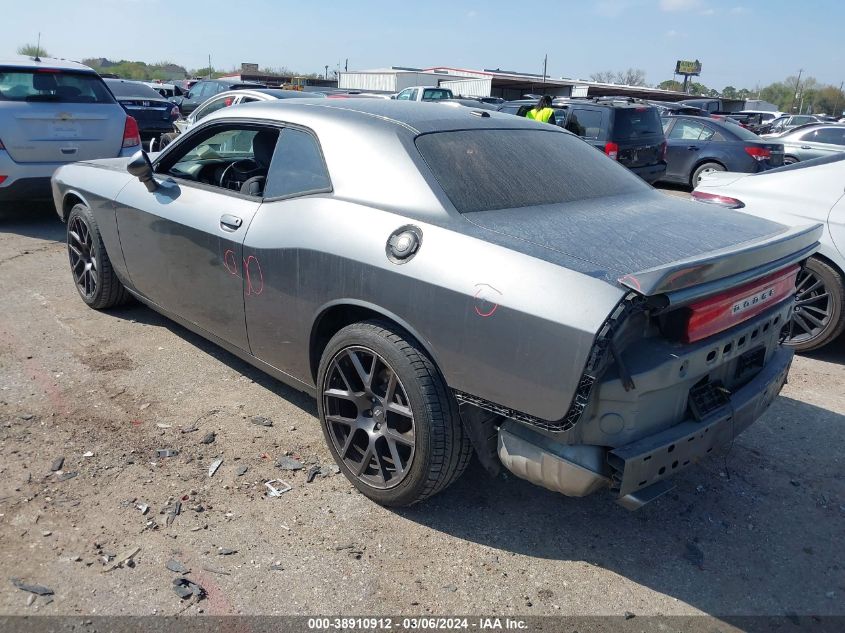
pixel 638 132
pixel 147 109
pixel 655 244
pixel 60 132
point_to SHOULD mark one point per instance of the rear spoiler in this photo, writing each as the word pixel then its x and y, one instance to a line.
pixel 686 280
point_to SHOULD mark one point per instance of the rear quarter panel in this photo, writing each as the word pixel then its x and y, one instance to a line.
pixel 500 325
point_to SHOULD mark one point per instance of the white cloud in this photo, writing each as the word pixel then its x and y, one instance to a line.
pixel 679 5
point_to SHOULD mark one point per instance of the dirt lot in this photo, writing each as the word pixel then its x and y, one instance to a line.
pixel 758 531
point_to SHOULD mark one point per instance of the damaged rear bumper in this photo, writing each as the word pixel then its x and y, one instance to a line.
pixel 637 470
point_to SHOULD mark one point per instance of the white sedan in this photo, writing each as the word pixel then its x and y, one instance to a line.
pixel 803 193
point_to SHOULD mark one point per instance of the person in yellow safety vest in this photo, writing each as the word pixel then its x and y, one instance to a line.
pixel 542 111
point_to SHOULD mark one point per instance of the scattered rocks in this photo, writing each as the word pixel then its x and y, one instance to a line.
pixel 241 471
pixel 46 533
pixel 27 416
pixel 629 615
pixel 176 567
pixel 186 588
pixel 209 438
pixel 225 551
pixel 261 421
pixel 66 476
pixel 189 429
pixel 126 558
pixel 88 454
pixel 451 588
pixel 312 473
pixel 57 464
pixel 166 452
pixel 215 570
pixel 289 463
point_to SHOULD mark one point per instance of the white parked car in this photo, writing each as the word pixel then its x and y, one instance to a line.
pixel 54 112
pixel 423 93
pixel 230 98
pixel 803 193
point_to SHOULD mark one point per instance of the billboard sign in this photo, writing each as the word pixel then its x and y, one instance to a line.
pixel 683 67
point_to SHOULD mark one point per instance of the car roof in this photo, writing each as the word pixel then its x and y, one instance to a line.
pixel 730 127
pixel 416 117
pixel 813 126
pixel 21 61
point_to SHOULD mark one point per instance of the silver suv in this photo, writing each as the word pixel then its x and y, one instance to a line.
pixel 54 112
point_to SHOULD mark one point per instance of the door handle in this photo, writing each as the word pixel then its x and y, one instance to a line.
pixel 806 147
pixel 693 147
pixel 230 222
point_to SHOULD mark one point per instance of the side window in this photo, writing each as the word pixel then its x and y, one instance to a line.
pixel 233 158
pixel 830 135
pixel 707 133
pixel 509 109
pixel 405 95
pixel 297 166
pixel 214 106
pixel 686 131
pixel 585 123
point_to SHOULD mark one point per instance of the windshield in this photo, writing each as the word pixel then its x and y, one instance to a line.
pixel 632 123
pixel 47 84
pixel 484 170
pixel 131 89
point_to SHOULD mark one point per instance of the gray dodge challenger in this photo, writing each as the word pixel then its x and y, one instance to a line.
pixel 448 282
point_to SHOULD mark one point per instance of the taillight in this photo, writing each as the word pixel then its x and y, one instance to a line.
pixel 759 153
pixel 723 311
pixel 3 179
pixel 612 150
pixel 131 135
pixel 715 198
pixel 228 102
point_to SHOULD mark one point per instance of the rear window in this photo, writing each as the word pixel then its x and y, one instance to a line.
pixel 42 84
pixel 744 134
pixel 436 94
pixel 634 123
pixel 484 170
pixel 131 89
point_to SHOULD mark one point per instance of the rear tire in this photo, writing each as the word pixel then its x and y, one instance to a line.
pixel 790 160
pixel 90 265
pixel 382 402
pixel 702 169
pixel 819 315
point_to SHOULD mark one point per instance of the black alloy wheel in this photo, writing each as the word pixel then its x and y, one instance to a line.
pixel 367 412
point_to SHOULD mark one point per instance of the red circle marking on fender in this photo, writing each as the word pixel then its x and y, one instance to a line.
pixel 485 312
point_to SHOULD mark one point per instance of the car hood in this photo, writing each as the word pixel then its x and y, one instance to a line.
pixel 650 241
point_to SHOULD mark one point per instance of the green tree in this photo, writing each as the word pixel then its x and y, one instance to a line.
pixel 729 92
pixel 630 77
pixel 671 84
pixel 32 50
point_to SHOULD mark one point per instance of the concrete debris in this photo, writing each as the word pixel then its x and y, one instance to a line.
pixel 176 567
pixel 66 476
pixel 124 559
pixel 142 507
pixel 276 567
pixel 214 466
pixel 189 429
pixel 277 492
pixel 46 533
pixel 241 471
pixel 88 454
pixel 30 599
pixel 27 416
pixel 261 421
pixel 289 463
pixel 167 452
pixel 225 551
pixel 629 615
pixel 209 438
pixel 39 590
pixel 312 474
pixel 163 425
pixel 57 464
pixel 186 588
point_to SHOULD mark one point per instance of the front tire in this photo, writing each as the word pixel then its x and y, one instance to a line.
pixel 90 265
pixel 819 314
pixel 704 168
pixel 390 422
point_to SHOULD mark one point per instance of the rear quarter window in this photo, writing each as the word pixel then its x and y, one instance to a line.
pixel 49 85
pixel 484 170
pixel 635 123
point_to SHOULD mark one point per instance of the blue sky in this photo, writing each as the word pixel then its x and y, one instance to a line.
pixel 739 42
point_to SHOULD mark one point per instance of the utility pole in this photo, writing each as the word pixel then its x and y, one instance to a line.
pixel 346 65
pixel 545 63
pixel 795 92
pixel 209 66
pixel 38 48
pixel 327 71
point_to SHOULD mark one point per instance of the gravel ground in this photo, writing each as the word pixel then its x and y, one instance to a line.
pixel 756 531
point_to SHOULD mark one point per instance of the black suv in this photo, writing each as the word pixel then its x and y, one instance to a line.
pixel 626 130
pixel 203 90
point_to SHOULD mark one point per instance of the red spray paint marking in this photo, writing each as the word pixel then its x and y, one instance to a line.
pixel 632 280
pixel 230 263
pixel 258 287
pixel 485 312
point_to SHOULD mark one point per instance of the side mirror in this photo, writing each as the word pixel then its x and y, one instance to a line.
pixel 141 167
